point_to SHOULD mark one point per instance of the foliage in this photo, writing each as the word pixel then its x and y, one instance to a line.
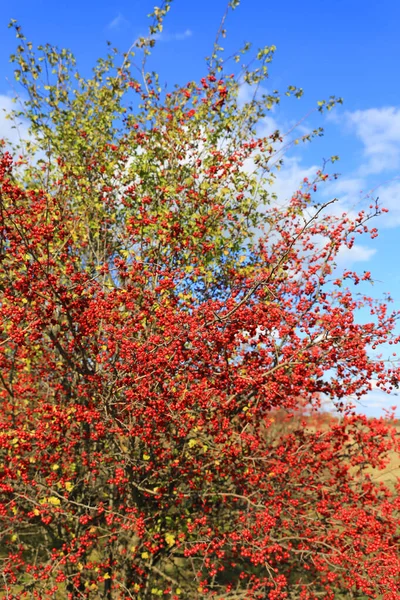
pixel 160 312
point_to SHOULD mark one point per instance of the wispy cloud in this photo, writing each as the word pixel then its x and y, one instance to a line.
pixel 378 129
pixel 389 195
pixel 118 23
pixel 290 177
pixel 174 37
pixel 358 253
pixel 13 131
pixel 247 93
pixel 166 36
pixel 377 401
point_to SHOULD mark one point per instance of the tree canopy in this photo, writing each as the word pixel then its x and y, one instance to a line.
pixel 164 324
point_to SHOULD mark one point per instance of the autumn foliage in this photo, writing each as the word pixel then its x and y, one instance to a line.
pixel 162 320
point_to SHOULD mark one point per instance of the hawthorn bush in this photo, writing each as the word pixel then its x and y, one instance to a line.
pixel 163 320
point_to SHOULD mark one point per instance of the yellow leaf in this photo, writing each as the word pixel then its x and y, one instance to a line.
pixel 69 486
pixel 146 457
pixel 106 576
pixel 145 555
pixel 192 443
pixel 170 539
pixel 55 467
pixel 54 501
pixel 36 512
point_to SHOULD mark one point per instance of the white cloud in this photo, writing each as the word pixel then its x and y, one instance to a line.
pixel 247 92
pixel 358 253
pixel 166 37
pixel 379 131
pixel 350 195
pixel 348 188
pixel 119 22
pixel 174 37
pixel 389 196
pixel 351 191
pixel 290 177
pixel 376 401
pixel 11 130
pixel 269 125
pixel 354 195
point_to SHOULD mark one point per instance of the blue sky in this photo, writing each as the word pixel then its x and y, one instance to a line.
pixel 350 48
